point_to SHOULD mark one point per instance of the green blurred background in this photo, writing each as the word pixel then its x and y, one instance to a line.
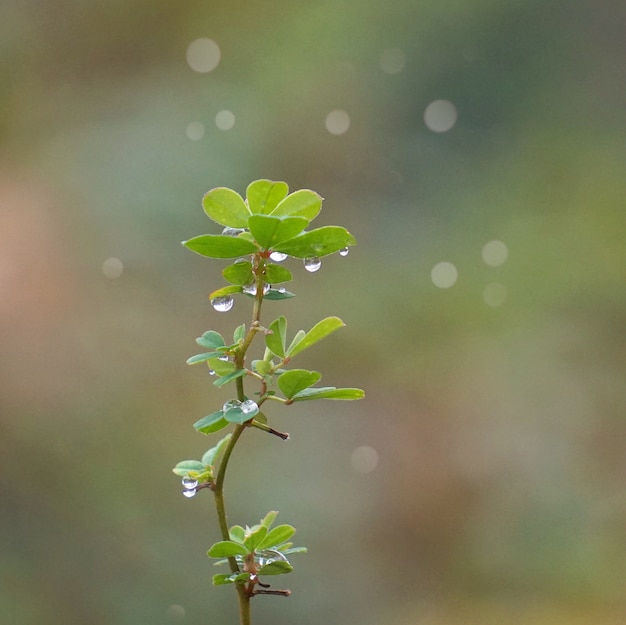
pixel 482 479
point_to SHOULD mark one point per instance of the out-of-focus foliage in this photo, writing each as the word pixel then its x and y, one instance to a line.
pixel 482 479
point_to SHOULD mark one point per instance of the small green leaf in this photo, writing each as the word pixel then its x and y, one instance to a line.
pixel 291 550
pixel 237 534
pixel 264 195
pixel 208 459
pixel 262 367
pixel 303 203
pixel 329 392
pixel 276 340
pixel 210 340
pixel 221 579
pixel 226 549
pixel 239 333
pixel 183 468
pixel 276 536
pixel 222 367
pixel 239 273
pixel 319 331
pixel 279 567
pixel 278 294
pixel 254 538
pixel 275 274
pixel 300 334
pixel 220 246
pixel 269 518
pixel 211 423
pixel 319 242
pixel 296 380
pixel 194 360
pixel 226 207
pixel 230 377
pixel 269 231
pixel 226 290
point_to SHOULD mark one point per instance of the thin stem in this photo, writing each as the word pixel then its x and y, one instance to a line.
pixel 218 490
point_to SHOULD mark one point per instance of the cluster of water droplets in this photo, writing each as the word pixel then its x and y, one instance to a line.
pixel 190 486
pixel 265 557
pixel 251 289
pixel 247 406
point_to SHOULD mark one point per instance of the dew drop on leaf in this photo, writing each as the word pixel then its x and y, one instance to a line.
pixel 249 406
pixel 278 257
pixel 312 264
pixel 231 403
pixel 344 251
pixel 189 493
pixel 222 304
pixel 189 483
pixel 232 232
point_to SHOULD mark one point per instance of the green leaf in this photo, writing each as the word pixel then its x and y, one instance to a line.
pixel 319 331
pixel 329 392
pixel 220 246
pixel 223 578
pixel 229 377
pixel 211 423
pixel 208 459
pixel 291 550
pixel 269 518
pixel 296 380
pixel 276 340
pixel 279 567
pixel 319 242
pixel 226 549
pixel 264 195
pixel 237 534
pixel 211 340
pixel 239 333
pixel 239 273
pixel 275 274
pixel 277 294
pixel 183 468
pixel 194 360
pixel 300 334
pixel 254 538
pixel 222 367
pixel 226 290
pixel 262 367
pixel 276 536
pixel 303 203
pixel 226 207
pixel 269 231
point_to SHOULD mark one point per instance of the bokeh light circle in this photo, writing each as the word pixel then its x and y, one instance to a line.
pixel 112 268
pixel 495 253
pixel 337 122
pixel 392 61
pixel 195 131
pixel 444 275
pixel 494 294
pixel 203 55
pixel 225 120
pixel 440 116
pixel 364 459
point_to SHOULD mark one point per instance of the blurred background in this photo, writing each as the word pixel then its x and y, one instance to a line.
pixel 477 152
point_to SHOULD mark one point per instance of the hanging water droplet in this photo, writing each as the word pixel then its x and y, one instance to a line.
pixel 189 493
pixel 232 232
pixel 250 289
pixel 344 251
pixel 222 304
pixel 278 257
pixel 189 483
pixel 223 358
pixel 266 288
pixel 211 372
pixel 268 556
pixel 312 264
pixel 248 406
pixel 231 403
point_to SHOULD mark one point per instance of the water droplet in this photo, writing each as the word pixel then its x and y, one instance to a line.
pixel 268 556
pixel 211 372
pixel 282 289
pixel 278 257
pixel 232 232
pixel 249 406
pixel 222 304
pixel 231 403
pixel 189 483
pixel 223 358
pixel 250 289
pixel 312 264
pixel 344 251
pixel 189 493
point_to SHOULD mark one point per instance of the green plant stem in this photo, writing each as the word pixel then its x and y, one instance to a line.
pixel 218 491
